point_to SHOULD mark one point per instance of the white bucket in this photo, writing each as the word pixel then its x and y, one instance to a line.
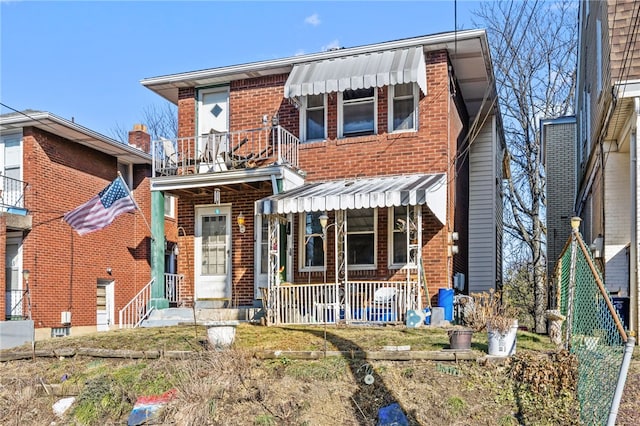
pixel 221 334
pixel 503 344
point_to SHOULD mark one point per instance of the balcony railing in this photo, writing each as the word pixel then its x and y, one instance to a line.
pixel 12 195
pixel 219 152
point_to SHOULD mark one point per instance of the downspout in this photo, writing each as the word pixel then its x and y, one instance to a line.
pixel 633 246
pixel 622 378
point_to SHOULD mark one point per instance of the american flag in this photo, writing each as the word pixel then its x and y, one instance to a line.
pixel 102 209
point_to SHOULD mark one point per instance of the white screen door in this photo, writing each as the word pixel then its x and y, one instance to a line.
pixel 213 252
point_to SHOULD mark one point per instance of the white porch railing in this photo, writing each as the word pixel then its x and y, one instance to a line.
pixel 137 309
pixel 355 301
pixel 173 288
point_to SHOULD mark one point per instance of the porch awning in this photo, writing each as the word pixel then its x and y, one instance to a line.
pixel 375 69
pixel 393 191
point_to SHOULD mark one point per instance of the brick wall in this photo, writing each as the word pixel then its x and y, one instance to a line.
pixel 431 149
pixel 561 187
pixel 64 266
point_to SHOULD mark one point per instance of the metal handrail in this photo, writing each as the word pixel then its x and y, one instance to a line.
pixel 219 152
pixel 173 287
pixel 16 309
pixel 12 192
pixel 137 310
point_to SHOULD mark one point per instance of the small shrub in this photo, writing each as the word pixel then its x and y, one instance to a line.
pixel 456 406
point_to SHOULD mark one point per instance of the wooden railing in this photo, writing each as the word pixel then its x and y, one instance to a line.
pixel 220 152
pixel 355 301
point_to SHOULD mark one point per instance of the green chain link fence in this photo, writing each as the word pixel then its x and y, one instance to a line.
pixel 592 331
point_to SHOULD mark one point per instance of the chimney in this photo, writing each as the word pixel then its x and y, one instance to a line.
pixel 139 137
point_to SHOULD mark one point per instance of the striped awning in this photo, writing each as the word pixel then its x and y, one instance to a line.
pixel 375 69
pixel 393 191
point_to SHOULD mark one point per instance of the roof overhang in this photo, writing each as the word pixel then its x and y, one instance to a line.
pixel 289 179
pixel 468 52
pixel 74 132
pixel 378 192
pixel 376 69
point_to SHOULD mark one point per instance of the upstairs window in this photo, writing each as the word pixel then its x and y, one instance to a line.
pixel 313 118
pixel 403 106
pixel 357 112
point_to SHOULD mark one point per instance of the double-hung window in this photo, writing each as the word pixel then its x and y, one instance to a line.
pixel 313 118
pixel 312 255
pixel 400 222
pixel 403 107
pixel 361 238
pixel 357 112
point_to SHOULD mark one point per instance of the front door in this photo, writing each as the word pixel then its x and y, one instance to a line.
pixel 104 305
pixel 213 252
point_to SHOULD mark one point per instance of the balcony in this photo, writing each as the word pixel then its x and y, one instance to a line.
pixel 12 195
pixel 220 152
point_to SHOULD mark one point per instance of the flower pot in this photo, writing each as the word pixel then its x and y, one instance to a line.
pixel 460 339
pixel 503 343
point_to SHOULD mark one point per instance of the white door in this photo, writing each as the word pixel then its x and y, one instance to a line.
pixel 213 252
pixel 10 161
pixel 14 297
pixel 104 305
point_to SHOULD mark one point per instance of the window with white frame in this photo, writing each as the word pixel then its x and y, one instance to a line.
pixel 357 112
pixel 403 107
pixel 361 238
pixel 398 241
pixel 170 206
pixel 312 247
pixel 313 118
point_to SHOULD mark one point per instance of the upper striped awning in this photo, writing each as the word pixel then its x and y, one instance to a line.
pixel 393 191
pixel 375 69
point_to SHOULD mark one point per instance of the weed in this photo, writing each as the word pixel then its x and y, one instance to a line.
pixel 408 372
pixel 265 420
pixel 456 406
pixel 324 369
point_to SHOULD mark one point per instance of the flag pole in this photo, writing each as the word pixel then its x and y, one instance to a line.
pixel 135 202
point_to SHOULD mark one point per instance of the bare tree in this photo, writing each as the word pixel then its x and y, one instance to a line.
pixel 533 45
pixel 161 121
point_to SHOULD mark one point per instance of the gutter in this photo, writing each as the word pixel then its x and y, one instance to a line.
pixel 434 40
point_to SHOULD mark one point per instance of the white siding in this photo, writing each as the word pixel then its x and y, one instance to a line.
pixel 617 217
pixel 482 210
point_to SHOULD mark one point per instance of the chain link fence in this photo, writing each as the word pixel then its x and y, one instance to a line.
pixel 593 332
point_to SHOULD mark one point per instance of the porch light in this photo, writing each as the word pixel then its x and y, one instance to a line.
pixel 176 250
pixel 25 274
pixel 324 219
pixel 575 223
pixel 241 223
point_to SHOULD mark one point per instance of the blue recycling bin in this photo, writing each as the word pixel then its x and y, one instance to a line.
pixel 445 300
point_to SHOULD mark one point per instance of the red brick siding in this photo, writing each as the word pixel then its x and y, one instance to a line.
pixel 65 266
pixel 431 149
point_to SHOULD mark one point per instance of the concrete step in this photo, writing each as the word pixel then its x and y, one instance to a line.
pixel 175 316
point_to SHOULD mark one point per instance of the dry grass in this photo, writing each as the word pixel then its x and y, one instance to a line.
pixel 234 388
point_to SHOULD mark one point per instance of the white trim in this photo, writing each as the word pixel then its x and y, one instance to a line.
pixel 364 266
pixel 302 252
pixel 341 114
pixel 303 118
pixel 390 109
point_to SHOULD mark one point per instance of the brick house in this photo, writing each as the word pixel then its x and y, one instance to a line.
pixel 322 182
pixel 607 120
pixel 50 166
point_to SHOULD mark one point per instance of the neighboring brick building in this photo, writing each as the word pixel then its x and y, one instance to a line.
pixel 608 118
pixel 50 166
pixel 559 156
pixel 385 142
